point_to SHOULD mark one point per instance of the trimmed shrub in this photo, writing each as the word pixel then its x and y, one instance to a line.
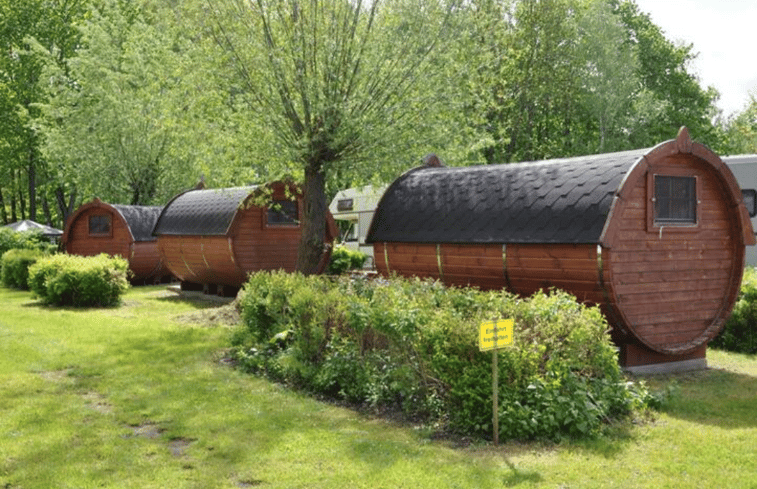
pixel 69 280
pixel 740 331
pixel 344 259
pixel 15 267
pixel 413 345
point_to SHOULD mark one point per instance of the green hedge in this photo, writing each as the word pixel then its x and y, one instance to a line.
pixel 15 267
pixel 69 280
pixel 344 259
pixel 413 345
pixel 740 331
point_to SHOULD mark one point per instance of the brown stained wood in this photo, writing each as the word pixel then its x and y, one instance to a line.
pixel 143 256
pixel 666 287
pixel 553 251
pixel 579 275
pixel 674 253
pixel 679 308
pixel 649 292
pixel 668 266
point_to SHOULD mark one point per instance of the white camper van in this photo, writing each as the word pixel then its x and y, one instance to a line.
pixel 353 210
pixel 744 168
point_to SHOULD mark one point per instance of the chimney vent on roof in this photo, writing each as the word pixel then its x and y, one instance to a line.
pixel 431 160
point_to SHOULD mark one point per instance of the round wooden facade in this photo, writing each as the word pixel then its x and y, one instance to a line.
pixel 656 237
pixel 117 230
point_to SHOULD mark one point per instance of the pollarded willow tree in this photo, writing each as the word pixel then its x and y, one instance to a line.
pixel 334 79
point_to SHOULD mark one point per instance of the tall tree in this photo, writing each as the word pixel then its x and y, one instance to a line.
pixel 608 75
pixel 48 25
pixel 741 130
pixel 116 118
pixel 332 78
pixel 671 96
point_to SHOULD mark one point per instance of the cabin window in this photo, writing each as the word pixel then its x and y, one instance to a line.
pixel 750 201
pixel 283 213
pixel 675 200
pixel 99 225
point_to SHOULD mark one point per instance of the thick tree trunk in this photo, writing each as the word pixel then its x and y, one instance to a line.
pixel 46 211
pixel 64 210
pixel 311 247
pixel 32 186
pixel 21 203
pixel 3 212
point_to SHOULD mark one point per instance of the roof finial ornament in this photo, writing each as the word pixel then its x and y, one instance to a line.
pixel 431 161
pixel 201 184
pixel 683 140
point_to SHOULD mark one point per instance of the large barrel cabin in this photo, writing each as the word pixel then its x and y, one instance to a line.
pixel 656 237
pixel 212 239
pixel 118 230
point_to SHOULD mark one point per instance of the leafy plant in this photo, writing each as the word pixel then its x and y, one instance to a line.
pixel 411 345
pixel 740 331
pixel 79 281
pixel 14 267
pixel 344 259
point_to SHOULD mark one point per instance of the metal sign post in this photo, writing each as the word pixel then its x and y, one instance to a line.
pixel 494 335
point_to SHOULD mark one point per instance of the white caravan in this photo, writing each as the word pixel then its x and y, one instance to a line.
pixel 355 208
pixel 744 168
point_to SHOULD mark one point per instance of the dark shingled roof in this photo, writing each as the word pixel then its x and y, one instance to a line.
pixel 140 219
pixel 202 212
pixel 553 201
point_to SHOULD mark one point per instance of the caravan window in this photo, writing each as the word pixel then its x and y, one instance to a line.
pixel 750 201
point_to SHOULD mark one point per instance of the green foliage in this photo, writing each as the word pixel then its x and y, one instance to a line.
pixel 31 240
pixel 14 267
pixel 740 331
pixel 70 280
pixel 412 345
pixel 741 130
pixel 344 259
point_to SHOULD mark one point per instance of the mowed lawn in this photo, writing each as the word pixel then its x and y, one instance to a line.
pixel 140 396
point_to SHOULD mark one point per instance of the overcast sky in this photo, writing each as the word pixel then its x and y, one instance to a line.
pixel 723 33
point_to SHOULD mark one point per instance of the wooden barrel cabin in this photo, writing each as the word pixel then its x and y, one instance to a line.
pixel 212 239
pixel 655 236
pixel 118 230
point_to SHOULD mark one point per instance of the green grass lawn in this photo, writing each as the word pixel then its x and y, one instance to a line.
pixel 138 396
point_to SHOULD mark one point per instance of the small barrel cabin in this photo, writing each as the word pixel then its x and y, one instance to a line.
pixel 211 239
pixel 123 230
pixel 656 237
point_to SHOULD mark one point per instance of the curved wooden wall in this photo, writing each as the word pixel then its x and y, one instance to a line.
pixel 144 258
pixel 674 287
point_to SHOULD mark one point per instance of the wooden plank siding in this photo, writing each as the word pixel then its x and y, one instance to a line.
pixel 244 242
pixel 258 246
pixel 201 259
pixel 586 225
pixel 142 260
pixel 79 241
pixel 522 269
pixel 668 283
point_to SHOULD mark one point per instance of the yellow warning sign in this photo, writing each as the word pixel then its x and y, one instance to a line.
pixel 495 334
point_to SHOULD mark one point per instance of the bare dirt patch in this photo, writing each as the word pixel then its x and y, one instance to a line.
pixel 148 430
pixel 97 402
